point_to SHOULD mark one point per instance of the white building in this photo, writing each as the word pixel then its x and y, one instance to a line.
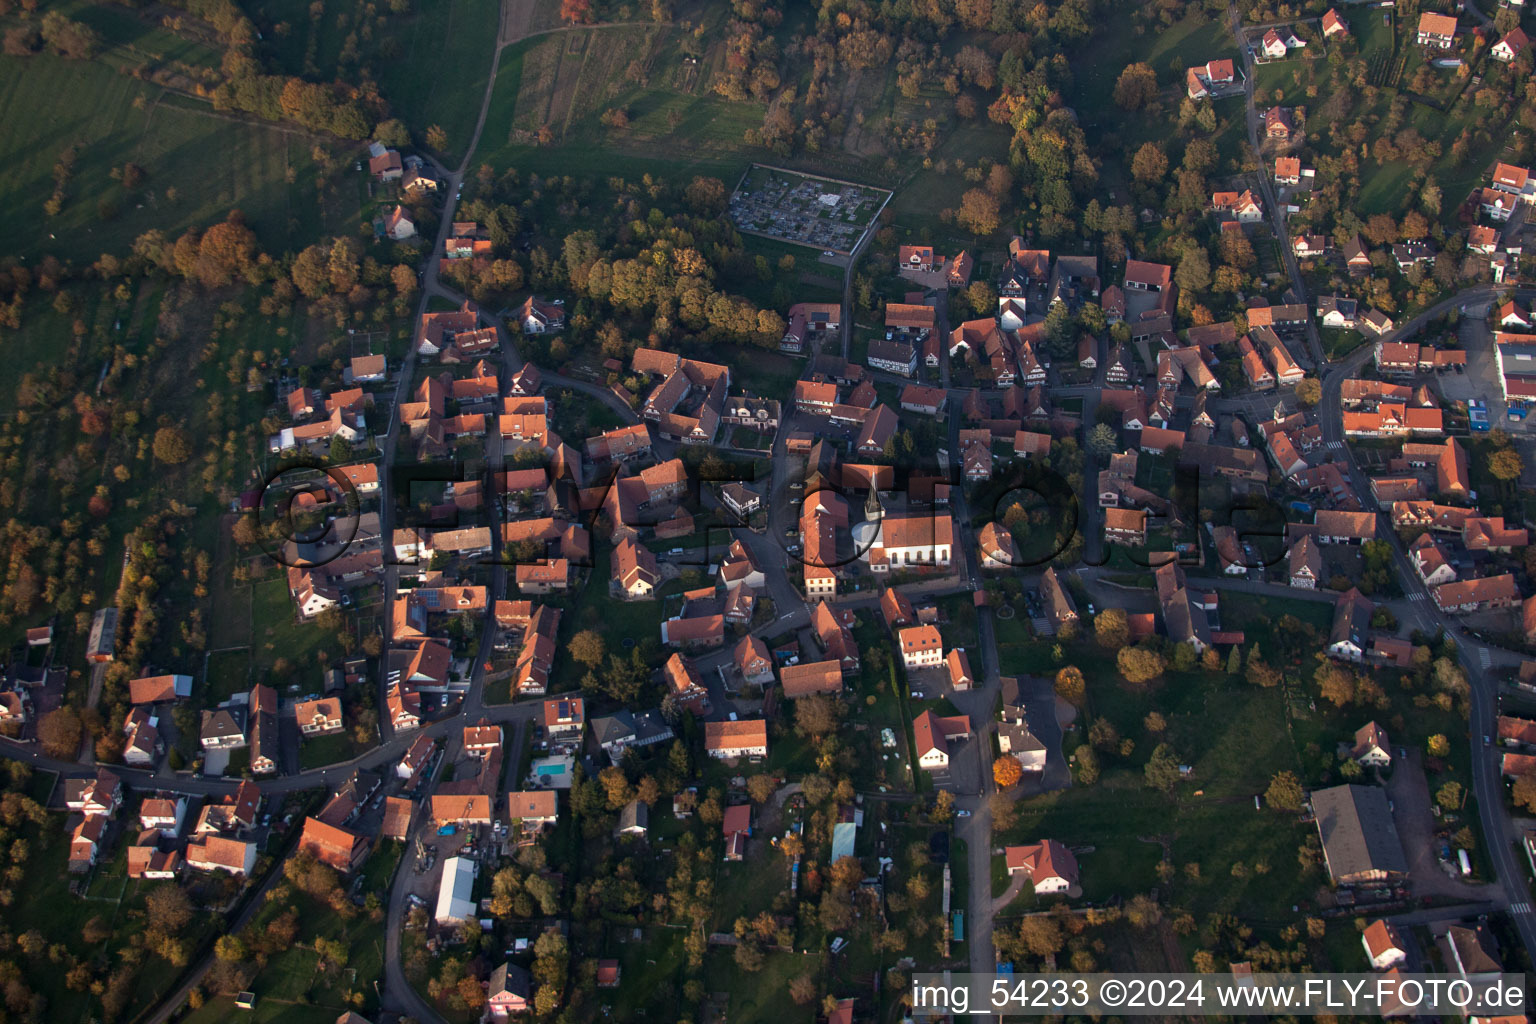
pixel 455 894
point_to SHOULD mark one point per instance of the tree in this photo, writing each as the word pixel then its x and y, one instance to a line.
pixel 1309 392
pixel 171 446
pixel 1070 685
pixel 1041 935
pixel 1505 465
pixel 229 947
pixel 1337 684
pixel 1087 765
pixel 1149 165
pixel 1261 673
pixel 1162 770
pixel 1284 792
pixel 69 39
pixel 1136 86
pixel 59 732
pixel 979 211
pixel 1006 771
pixel 1438 745
pixel 1111 629
pixel 943 807
pixel 815 716
pixel 982 298
pixel 1524 791
pixel 392 132
pixel 706 196
pixel 1194 271
pixel 437 138
pixel 168 908
pixel 1102 440
pixel 1449 796
pixel 588 647
pixel 1140 664
pixel 761 786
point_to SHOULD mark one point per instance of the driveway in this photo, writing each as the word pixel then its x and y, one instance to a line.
pixel 1411 803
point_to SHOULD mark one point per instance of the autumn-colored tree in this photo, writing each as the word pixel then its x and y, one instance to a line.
pixel 310 271
pixel 1437 745
pixel 1136 86
pixel 225 251
pixel 1284 792
pixel 171 446
pixel 979 211
pixel 1309 392
pixel 1524 791
pixel 588 647
pixel 815 716
pixel 1140 664
pixel 1505 464
pixel 168 908
pixel 59 732
pixel 1041 935
pixel 437 138
pixel 1150 164
pixel 1006 771
pixel 1337 684
pixel 706 196
pixel 1381 229
pixel 1449 795
pixel 761 786
pixel 576 12
pixel 1111 629
pixel 1070 685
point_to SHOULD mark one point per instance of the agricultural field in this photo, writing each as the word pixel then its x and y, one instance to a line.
pixel 197 165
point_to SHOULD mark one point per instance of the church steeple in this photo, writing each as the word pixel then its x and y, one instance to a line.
pixel 873 511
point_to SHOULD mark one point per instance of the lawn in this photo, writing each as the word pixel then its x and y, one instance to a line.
pixel 319 751
pixel 229 673
pixel 278 635
pixel 198 166
pixel 1118 826
pixel 649 976
pixel 758 996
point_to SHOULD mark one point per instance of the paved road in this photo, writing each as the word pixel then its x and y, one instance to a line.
pixel 1271 202
pixel 1481 660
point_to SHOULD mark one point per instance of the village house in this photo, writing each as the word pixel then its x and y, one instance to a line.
pixel 1199 81
pixel 1383 946
pixel 318 717
pixel 932 735
pixel 1126 526
pixel 1438 30
pixel 1372 747
pixel 1351 624
pixel 1466 596
pixel 732 740
pixel 809 679
pixel 921 646
pixel 1049 866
